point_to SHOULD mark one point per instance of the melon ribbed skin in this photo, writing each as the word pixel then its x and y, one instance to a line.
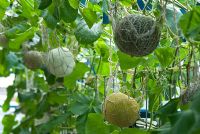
pixel 121 110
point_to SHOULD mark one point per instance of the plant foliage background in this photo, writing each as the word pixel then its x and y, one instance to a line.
pixel 52 105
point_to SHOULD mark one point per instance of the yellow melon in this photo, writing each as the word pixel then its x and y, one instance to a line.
pixel 120 109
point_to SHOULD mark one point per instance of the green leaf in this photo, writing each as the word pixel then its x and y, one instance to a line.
pixel 184 124
pixel 50 125
pixel 79 108
pixel 74 3
pixel 3 6
pixel 128 62
pixel 169 108
pixel 81 105
pixel 50 20
pixel 78 73
pixel 196 103
pixel 103 68
pixel 10 94
pixel 133 131
pixel 165 56
pixel 67 13
pixel 3 64
pixel 17 29
pixel 85 35
pixel 115 132
pixel 95 124
pixel 189 24
pixel 81 123
pixel 15 44
pixel 8 122
pixel 102 49
pixel 89 16
pixel 127 3
pixel 56 98
pixel 44 4
pixel 28 10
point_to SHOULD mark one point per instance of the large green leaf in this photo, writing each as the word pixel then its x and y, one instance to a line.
pixel 3 6
pixel 3 63
pixel 56 98
pixel 102 49
pixel 50 20
pixel 82 105
pixel 44 4
pixel 78 108
pixel 81 123
pixel 184 124
pixel 78 73
pixel 67 13
pixel 74 3
pixel 89 16
pixel 14 44
pixel 103 68
pixel 128 62
pixel 165 56
pixel 85 35
pixel 17 29
pixel 10 94
pixel 8 122
pixel 27 7
pixel 50 125
pixel 133 131
pixel 189 24
pixel 95 125
pixel 169 108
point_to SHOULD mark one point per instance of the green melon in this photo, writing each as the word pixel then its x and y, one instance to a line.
pixel 120 109
pixel 86 35
pixel 60 62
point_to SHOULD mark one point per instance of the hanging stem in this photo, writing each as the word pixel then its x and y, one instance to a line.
pixel 104 78
pixel 133 79
pixel 171 74
pixel 188 66
pixel 99 64
pixel 92 65
pixel 96 89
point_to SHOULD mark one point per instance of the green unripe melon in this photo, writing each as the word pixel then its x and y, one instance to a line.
pixel 86 35
pixel 33 59
pixel 60 62
pixel 120 109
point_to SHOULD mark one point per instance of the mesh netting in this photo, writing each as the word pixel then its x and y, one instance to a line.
pixel 137 35
pixel 33 59
pixel 60 62
pixel 120 109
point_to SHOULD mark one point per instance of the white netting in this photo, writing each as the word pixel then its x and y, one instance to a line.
pixel 60 62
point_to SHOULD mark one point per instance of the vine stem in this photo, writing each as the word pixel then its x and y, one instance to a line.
pixel 188 67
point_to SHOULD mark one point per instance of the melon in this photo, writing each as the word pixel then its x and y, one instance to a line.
pixel 120 109
pixel 137 35
pixel 60 62
pixel 33 59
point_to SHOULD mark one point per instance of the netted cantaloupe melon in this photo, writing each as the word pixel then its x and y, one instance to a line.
pixel 120 109
pixel 33 59
pixel 60 62
pixel 137 35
